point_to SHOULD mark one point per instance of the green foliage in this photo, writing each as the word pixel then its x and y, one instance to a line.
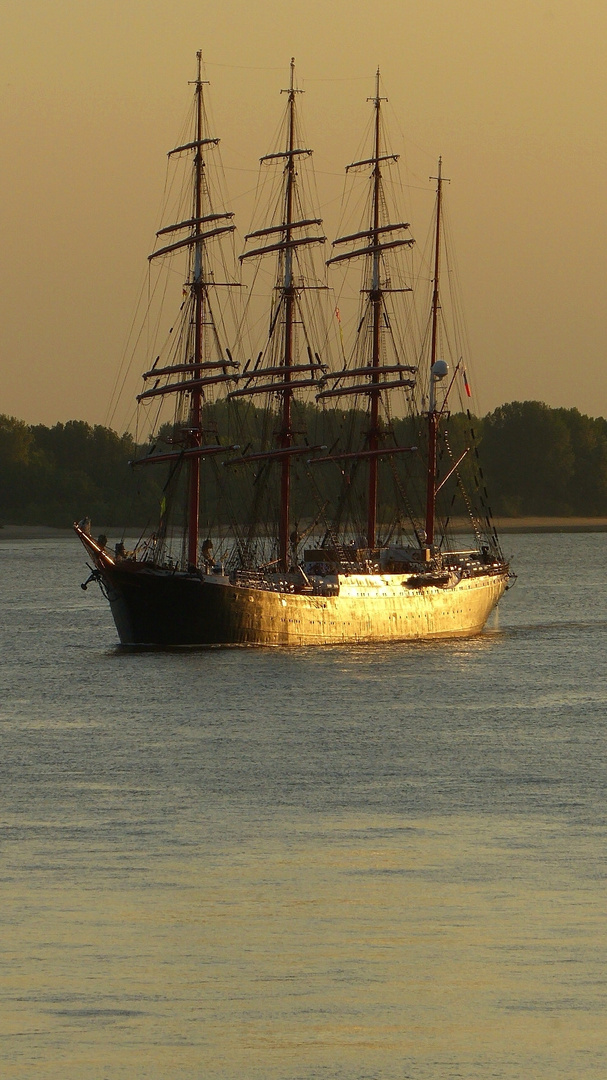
pixel 53 476
pixel 542 461
pixel 535 461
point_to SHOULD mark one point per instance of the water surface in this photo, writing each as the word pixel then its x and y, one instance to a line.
pixel 321 863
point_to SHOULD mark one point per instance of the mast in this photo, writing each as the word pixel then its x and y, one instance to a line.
pixel 432 412
pixel 289 295
pixel 195 432
pixel 201 226
pixel 283 373
pixel 379 236
pixel 376 301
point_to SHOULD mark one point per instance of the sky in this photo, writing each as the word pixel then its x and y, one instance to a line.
pixel 511 93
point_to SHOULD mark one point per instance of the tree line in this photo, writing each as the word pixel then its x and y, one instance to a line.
pixel 536 460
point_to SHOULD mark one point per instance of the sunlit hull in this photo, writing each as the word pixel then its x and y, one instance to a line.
pixel 153 606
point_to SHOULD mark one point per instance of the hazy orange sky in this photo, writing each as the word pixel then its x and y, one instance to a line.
pixel 510 92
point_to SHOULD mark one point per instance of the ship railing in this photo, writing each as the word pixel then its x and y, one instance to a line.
pixel 256 579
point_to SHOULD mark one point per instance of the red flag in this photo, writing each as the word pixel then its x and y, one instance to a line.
pixel 467 384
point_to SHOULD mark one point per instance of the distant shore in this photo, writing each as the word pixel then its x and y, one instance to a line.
pixel 503 525
pixel 551 524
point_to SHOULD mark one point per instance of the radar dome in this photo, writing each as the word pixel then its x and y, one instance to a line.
pixel 440 369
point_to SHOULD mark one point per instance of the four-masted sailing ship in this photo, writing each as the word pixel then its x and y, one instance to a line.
pixel 336 485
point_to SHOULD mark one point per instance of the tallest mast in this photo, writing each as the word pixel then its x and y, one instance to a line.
pixel 187 374
pixel 195 434
pixel 289 297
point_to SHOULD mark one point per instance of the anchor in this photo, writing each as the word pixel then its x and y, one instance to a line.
pixel 93 576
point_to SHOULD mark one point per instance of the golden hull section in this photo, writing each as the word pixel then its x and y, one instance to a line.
pixel 359 613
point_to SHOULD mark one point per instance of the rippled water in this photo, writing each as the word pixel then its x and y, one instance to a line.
pixel 345 863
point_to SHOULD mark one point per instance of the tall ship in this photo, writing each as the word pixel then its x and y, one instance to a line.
pixel 304 502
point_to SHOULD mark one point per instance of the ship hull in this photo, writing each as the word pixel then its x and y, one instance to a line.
pixel 157 607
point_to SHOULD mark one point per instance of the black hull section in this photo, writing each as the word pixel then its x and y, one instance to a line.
pixel 168 610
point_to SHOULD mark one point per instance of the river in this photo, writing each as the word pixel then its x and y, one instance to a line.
pixel 321 864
